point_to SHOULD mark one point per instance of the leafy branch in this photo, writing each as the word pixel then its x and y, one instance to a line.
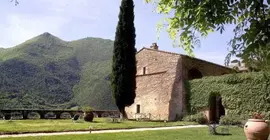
pixel 187 20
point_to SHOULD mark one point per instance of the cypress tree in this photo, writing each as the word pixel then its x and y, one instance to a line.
pixel 124 60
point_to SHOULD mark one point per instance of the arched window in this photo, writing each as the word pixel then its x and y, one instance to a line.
pixel 194 74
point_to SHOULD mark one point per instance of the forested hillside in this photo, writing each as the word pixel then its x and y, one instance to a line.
pixel 47 72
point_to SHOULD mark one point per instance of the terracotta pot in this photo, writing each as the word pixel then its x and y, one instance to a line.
pixel 257 129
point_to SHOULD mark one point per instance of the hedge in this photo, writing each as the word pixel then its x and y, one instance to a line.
pixel 242 93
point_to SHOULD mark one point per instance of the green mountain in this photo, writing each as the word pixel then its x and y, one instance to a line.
pixel 46 72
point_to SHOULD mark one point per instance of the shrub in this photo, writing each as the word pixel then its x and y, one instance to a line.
pixel 88 114
pixel 230 120
pixel 88 117
pixel 199 118
pixel 267 115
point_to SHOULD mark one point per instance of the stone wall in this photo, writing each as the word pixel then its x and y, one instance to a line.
pixel 160 83
pixel 155 86
pixel 206 68
pixel 155 61
pixel 151 97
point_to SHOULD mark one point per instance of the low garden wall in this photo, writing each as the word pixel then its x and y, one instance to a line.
pixel 242 94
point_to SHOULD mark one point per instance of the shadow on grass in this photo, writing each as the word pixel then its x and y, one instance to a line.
pixel 221 134
pixel 223 131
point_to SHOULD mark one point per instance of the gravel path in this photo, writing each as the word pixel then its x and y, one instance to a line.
pixel 101 131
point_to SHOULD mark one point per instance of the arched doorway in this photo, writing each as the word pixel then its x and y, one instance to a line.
pixel 16 115
pixel 50 115
pixel 194 74
pixel 216 108
pixel 65 115
pixel 2 116
pixel 33 115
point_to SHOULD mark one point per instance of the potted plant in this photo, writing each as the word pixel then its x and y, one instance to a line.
pixel 257 128
pixel 88 115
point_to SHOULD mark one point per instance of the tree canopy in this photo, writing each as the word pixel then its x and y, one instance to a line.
pixel 187 20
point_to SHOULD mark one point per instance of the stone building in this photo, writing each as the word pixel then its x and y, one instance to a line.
pixel 160 93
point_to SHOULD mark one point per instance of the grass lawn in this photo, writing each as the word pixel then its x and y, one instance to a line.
pixel 180 134
pixel 21 126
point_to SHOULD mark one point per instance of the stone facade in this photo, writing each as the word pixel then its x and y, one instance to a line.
pixel 160 93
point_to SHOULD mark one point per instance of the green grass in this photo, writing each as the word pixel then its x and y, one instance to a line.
pixel 180 134
pixel 68 125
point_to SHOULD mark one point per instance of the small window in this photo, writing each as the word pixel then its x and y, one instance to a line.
pixel 144 70
pixel 138 109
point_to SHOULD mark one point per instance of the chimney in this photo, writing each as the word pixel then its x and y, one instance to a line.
pixel 154 46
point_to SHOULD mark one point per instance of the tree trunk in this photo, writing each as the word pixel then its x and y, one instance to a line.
pixel 123 113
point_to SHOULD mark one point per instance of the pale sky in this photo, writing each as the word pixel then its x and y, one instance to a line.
pixel 76 19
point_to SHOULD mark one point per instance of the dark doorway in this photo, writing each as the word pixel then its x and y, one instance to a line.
pixel 221 108
pixel 194 74
pixel 138 109
pixel 212 115
pixel 216 108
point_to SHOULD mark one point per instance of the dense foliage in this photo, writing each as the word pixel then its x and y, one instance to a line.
pixel 259 59
pixel 199 118
pixel 187 20
pixel 47 72
pixel 231 120
pixel 124 59
pixel 242 94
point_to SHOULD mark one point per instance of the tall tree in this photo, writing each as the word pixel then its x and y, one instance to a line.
pixel 124 60
pixel 186 20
